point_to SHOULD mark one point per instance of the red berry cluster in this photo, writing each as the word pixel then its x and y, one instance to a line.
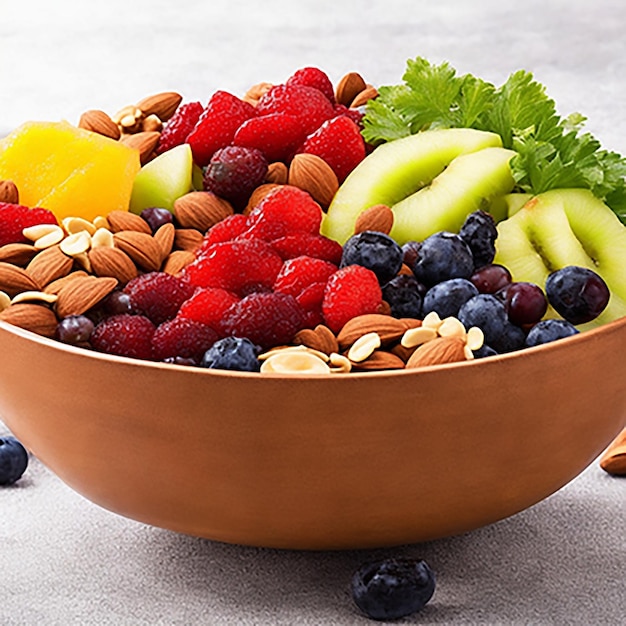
pixel 263 276
pixel 235 141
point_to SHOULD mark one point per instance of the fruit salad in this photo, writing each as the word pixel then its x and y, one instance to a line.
pixel 313 228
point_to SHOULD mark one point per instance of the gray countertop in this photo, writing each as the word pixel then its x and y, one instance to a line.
pixel 64 560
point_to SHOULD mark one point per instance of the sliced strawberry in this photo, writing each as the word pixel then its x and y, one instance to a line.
pixel 339 142
pixel 217 125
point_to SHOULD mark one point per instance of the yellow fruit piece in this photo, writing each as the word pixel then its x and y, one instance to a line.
pixel 70 171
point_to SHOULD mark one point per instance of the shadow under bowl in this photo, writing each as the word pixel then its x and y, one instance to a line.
pixel 319 462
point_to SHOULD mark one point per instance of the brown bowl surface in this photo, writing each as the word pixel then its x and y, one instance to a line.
pixel 324 462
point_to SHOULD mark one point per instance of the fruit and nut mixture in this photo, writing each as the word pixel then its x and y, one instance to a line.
pixel 307 227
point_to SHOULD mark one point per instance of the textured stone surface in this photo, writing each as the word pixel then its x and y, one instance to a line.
pixel 64 560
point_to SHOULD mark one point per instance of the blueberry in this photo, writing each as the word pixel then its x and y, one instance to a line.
pixel 376 251
pixel 479 233
pixel 578 294
pixel 549 330
pixel 13 460
pixel 443 256
pixel 232 353
pixel 486 312
pixel 404 295
pixel 484 351
pixel 392 588
pixel 512 338
pixel 156 217
pixel 448 297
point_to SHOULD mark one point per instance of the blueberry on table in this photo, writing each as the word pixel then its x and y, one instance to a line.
pixel 13 460
pixel 375 251
pixel 392 588
pixel 549 330
pixel 443 256
pixel 578 294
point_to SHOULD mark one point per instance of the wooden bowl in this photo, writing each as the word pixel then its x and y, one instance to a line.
pixel 326 462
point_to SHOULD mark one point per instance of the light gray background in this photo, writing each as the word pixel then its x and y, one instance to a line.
pixel 65 561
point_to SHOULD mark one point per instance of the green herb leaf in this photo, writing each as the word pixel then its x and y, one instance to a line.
pixel 552 152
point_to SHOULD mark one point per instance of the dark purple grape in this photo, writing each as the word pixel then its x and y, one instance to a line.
pixel 577 293
pixel 410 250
pixel 74 329
pixel 525 303
pixel 491 278
pixel 156 217
pixel 117 303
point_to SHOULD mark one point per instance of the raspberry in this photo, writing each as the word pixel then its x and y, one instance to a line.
pixel 234 173
pixel 352 290
pixel 284 211
pixel 124 335
pixel 313 77
pixel 308 104
pixel 339 143
pixel 318 246
pixel 15 217
pixel 242 266
pixel 157 295
pixel 183 338
pixel 354 114
pixel 266 319
pixel 216 127
pixel 297 274
pixel 177 129
pixel 226 230
pixel 276 135
pixel 208 305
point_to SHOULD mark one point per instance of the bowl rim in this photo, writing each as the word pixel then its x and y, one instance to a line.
pixel 51 343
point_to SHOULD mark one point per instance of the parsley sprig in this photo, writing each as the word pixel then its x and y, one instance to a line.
pixel 552 151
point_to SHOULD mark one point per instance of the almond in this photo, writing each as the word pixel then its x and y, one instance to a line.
pixel 380 360
pixel 34 317
pixel 613 460
pixel 438 351
pixel 80 294
pixel 349 87
pixel 142 248
pixel 17 253
pixel 151 124
pixel 256 92
pixel 9 192
pixel 388 328
pixel 378 218
pixel 312 174
pixel 99 122
pixel 14 280
pixel 164 236
pixel 49 265
pixel 363 97
pixel 177 261
pixel 188 239
pixel 112 262
pixel 277 173
pixel 163 105
pixel 56 285
pixel 201 210
pixel 144 142
pixel 320 338
pixel 124 220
